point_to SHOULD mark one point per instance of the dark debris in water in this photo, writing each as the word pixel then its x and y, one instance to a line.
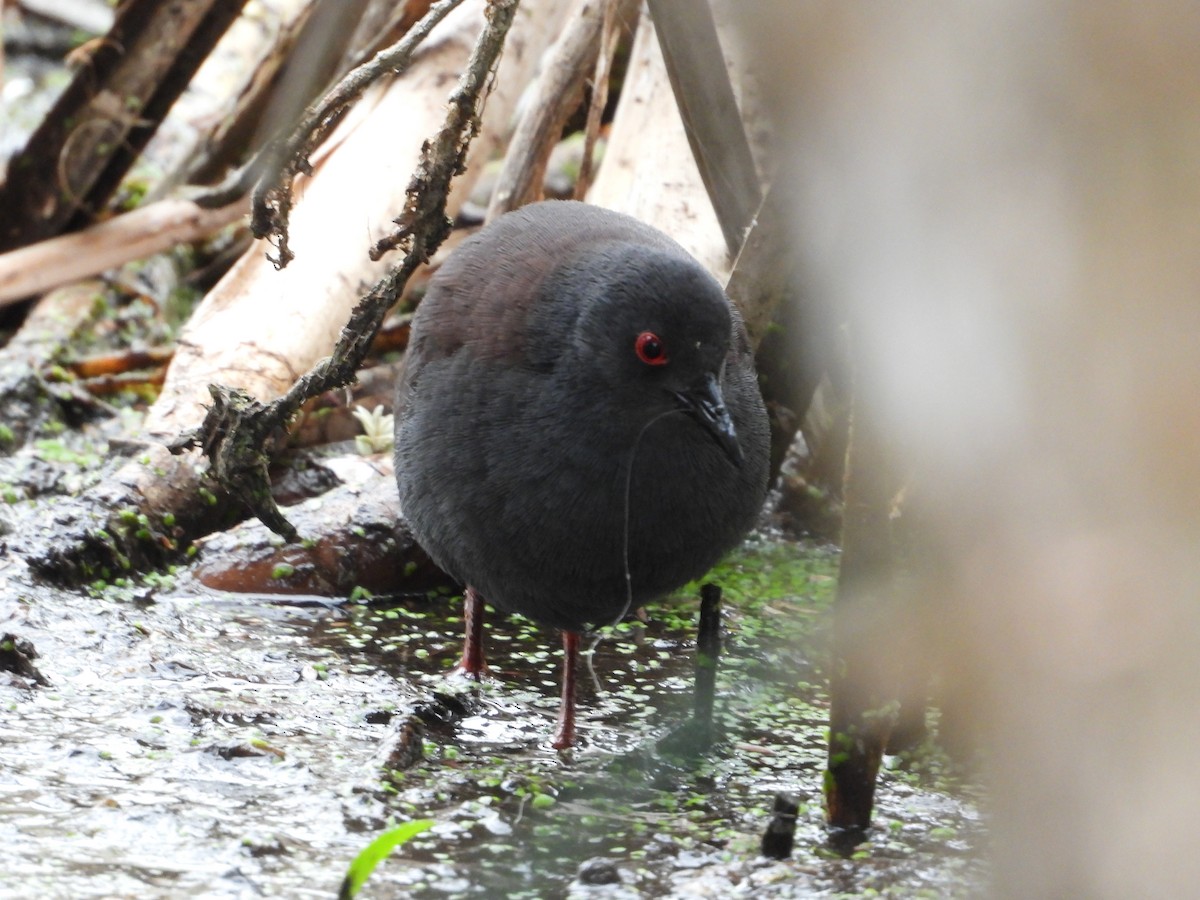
pixel 780 836
pixel 221 745
pixel 17 656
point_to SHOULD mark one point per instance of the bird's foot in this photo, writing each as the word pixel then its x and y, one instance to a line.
pixel 468 668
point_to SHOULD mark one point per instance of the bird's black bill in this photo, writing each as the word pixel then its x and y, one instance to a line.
pixel 705 402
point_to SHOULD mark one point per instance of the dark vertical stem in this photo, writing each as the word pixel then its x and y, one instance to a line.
pixel 708 655
pixel 696 66
pixel 781 830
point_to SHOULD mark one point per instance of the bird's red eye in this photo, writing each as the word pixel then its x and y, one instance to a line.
pixel 650 349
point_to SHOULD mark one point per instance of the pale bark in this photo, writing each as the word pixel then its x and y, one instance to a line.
pixel 136 235
pixel 259 328
pixel 555 95
pixel 691 49
pixel 648 169
pixel 88 17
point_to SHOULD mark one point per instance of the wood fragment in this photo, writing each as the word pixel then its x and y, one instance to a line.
pixel 142 383
pixel 648 170
pixel 17 655
pixel 135 235
pixel 403 747
pixel 121 362
pixel 557 94
pixel 695 64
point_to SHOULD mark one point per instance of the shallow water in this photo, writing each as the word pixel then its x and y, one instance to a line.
pixel 201 744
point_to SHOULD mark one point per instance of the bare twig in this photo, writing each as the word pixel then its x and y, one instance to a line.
pixel 423 224
pixel 283 160
pixel 239 432
pixel 382 25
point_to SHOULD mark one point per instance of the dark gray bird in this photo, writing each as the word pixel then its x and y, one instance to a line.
pixel 579 427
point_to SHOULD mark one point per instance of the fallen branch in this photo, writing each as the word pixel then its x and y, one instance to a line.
pixel 27 399
pixel 258 327
pixel 134 235
pixel 236 433
pixel 696 66
pixel 285 159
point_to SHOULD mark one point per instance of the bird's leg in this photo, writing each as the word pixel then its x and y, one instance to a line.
pixel 472 662
pixel 564 736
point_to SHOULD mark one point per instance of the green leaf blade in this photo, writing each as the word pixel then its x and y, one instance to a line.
pixel 376 852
